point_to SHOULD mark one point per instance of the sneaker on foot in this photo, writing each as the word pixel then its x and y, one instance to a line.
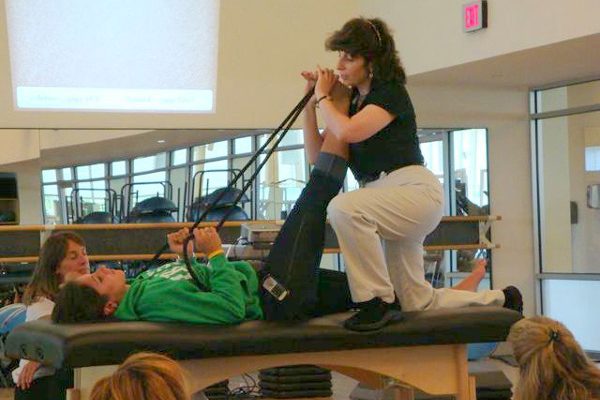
pixel 513 299
pixel 373 315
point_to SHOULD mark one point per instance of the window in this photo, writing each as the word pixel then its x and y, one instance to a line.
pixel 92 196
pixel 150 163
pixel 280 182
pixel 211 150
pixel 433 148
pixel 150 185
pixel 178 178
pixel 592 158
pixel 568 301
pixel 566 143
pixel 66 174
pixel 90 171
pixel 243 145
pixel 470 171
pixel 179 157
pixel 238 164
pixel 351 182
pixel 83 172
pixel 294 137
pixel 433 153
pixel 214 175
pixel 568 234
pixel 116 184
pixel 118 168
pixel 52 210
pixel 566 97
pixel 49 175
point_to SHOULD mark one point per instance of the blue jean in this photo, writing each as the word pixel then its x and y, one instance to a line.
pixel 296 255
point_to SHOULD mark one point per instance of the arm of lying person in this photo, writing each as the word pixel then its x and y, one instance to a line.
pixel 207 241
pixel 176 239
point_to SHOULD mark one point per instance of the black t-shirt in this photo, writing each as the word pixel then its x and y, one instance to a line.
pixel 396 145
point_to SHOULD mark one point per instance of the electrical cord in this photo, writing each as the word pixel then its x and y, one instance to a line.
pixel 233 247
pixel 246 391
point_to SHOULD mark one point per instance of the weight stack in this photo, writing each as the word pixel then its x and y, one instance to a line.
pixel 218 391
pixel 296 381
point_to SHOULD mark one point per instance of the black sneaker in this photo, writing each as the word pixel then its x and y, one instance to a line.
pixel 513 299
pixel 373 315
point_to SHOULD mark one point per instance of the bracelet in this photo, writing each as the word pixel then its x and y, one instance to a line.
pixel 321 98
pixel 215 253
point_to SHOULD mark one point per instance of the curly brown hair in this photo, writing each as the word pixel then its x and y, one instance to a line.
pixel 371 39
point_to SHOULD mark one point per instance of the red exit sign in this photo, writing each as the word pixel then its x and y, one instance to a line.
pixel 475 15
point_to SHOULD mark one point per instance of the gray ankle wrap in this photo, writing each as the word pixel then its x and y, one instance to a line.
pixel 332 165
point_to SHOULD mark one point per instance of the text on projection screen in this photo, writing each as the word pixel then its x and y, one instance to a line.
pixel 114 55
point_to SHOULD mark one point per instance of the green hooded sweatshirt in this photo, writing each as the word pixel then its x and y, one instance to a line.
pixel 168 294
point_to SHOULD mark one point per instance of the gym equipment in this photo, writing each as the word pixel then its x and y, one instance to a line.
pixel 161 205
pixel 159 217
pixel 223 202
pixel 231 213
pixel 154 205
pixel 76 213
pixel 98 217
pixel 296 381
pixel 8 216
pixel 153 210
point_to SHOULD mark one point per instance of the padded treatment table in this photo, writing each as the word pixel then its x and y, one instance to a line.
pixel 426 351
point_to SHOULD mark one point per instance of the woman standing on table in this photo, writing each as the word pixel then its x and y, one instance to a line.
pixel 381 227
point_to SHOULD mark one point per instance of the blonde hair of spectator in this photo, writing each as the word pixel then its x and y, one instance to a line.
pixel 552 364
pixel 144 376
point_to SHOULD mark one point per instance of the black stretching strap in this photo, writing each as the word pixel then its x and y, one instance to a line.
pixel 285 125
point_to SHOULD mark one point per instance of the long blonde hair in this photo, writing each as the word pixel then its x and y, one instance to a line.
pixel 552 364
pixel 144 376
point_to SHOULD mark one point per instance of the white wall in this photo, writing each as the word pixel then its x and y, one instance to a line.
pixel 19 145
pixel 51 139
pixel 429 33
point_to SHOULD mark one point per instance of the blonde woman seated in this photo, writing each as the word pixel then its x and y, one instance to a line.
pixel 143 376
pixel 552 364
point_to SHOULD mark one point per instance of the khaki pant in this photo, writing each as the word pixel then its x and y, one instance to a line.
pixel 381 228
